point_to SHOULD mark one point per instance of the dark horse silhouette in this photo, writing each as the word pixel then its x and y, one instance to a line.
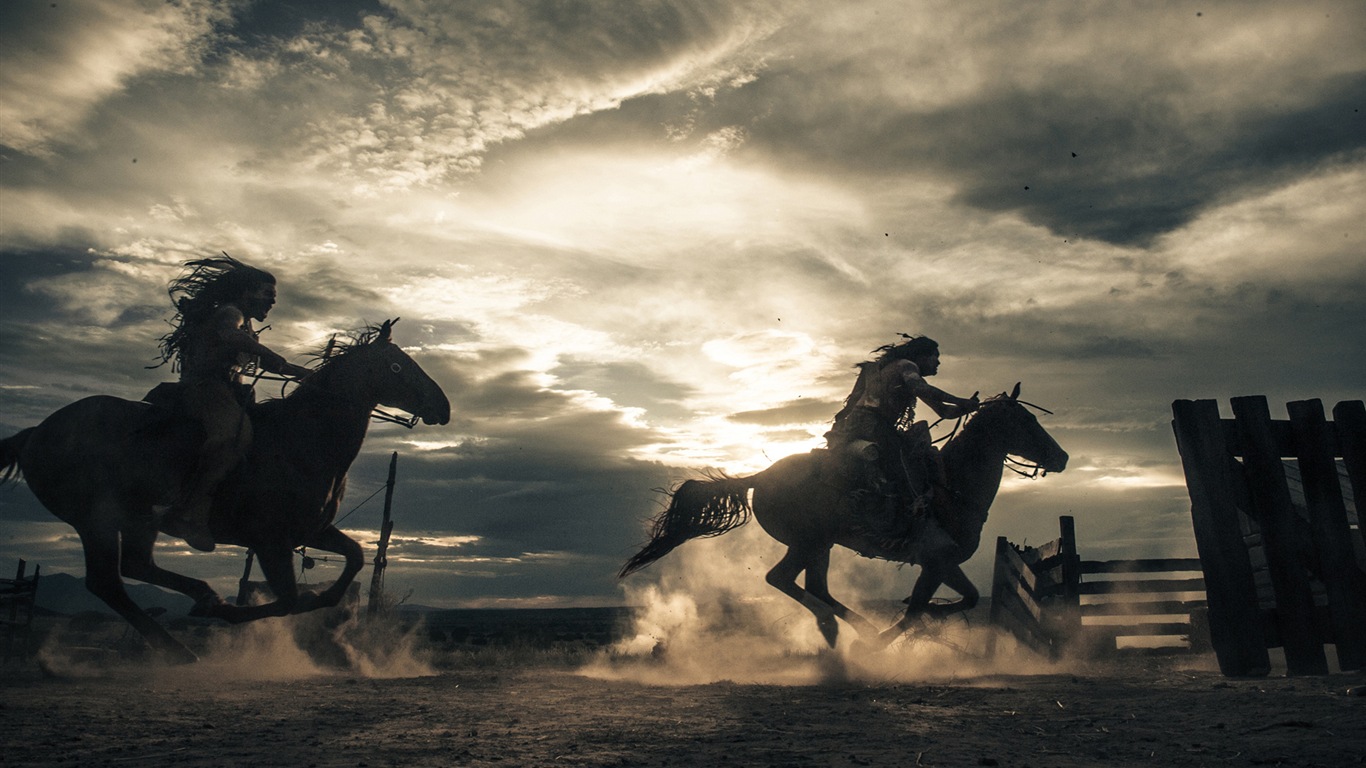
pixel 107 466
pixel 803 502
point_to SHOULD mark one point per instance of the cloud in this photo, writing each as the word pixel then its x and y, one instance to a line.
pixel 636 240
pixel 59 61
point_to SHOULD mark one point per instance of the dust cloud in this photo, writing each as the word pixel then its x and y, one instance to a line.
pixel 706 615
pixel 313 645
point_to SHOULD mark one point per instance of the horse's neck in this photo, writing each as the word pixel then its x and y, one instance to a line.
pixel 973 465
pixel 332 419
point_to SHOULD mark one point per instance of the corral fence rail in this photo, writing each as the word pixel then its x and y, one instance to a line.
pixel 17 596
pixel 1052 600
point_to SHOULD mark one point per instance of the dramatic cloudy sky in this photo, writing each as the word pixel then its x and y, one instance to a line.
pixel 634 240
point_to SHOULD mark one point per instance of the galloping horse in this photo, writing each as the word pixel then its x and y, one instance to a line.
pixel 108 466
pixel 802 501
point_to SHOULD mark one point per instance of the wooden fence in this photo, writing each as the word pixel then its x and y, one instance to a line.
pixel 1277 524
pixel 1052 600
pixel 17 596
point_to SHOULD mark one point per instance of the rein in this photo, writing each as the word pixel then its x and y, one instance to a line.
pixel 1027 469
pixel 376 414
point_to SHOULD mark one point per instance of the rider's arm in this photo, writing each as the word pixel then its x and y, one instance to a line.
pixel 942 403
pixel 230 324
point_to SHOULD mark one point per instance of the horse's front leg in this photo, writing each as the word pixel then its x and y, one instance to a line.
pixel 332 540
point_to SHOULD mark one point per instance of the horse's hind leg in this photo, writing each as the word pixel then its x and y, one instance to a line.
pixel 102 578
pixel 783 577
pixel 818 586
pixel 138 563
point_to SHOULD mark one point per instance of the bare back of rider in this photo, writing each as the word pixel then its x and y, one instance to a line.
pixel 213 356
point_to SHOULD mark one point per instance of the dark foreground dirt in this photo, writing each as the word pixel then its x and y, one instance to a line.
pixel 508 711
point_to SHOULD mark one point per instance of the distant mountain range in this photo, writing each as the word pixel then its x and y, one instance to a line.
pixel 66 594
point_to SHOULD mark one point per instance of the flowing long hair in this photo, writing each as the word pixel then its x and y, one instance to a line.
pixel 911 347
pixel 204 286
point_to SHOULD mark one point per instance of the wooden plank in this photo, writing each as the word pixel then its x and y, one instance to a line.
pixel 1027 631
pixel 1272 508
pixel 1047 551
pixel 1142 586
pixel 1141 607
pixel 1233 617
pixel 1023 573
pixel 1008 605
pixel 1349 421
pixel 1282 440
pixel 1139 629
pixel 1016 589
pixel 1343 581
pixel 1148 565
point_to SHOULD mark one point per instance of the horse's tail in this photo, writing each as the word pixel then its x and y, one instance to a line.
pixel 697 509
pixel 9 455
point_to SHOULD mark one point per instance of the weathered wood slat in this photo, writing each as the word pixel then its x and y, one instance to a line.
pixel 1012 606
pixel 1349 421
pixel 1150 565
pixel 1141 607
pixel 1020 570
pixel 1274 512
pixel 1343 581
pixel 1145 586
pixel 1230 589
pixel 1139 629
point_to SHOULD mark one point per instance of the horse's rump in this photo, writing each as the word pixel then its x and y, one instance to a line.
pixel 104 446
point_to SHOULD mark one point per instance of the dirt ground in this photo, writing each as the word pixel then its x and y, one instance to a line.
pixel 490 707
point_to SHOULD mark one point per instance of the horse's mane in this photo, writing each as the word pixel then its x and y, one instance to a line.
pixel 342 343
pixel 337 347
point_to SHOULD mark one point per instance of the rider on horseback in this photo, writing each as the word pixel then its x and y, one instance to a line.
pixel 213 343
pixel 876 437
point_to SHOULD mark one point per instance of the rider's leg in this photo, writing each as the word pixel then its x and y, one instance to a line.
pixel 228 433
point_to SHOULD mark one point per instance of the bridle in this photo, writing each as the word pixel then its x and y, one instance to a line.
pixel 376 414
pixel 1027 469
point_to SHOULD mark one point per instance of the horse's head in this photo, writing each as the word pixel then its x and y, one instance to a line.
pixel 376 366
pixel 1008 419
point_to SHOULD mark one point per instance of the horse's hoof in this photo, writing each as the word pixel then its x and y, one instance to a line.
pixel 830 630
pixel 206 607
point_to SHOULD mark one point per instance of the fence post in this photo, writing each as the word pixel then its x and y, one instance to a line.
pixel 381 551
pixel 1069 562
pixel 1338 571
pixel 1349 417
pixel 1235 625
pixel 1274 512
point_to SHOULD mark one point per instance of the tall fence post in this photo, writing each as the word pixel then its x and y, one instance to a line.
pixel 1275 514
pixel 1342 579
pixel 1069 563
pixel 1234 621
pixel 381 553
pixel 1349 419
